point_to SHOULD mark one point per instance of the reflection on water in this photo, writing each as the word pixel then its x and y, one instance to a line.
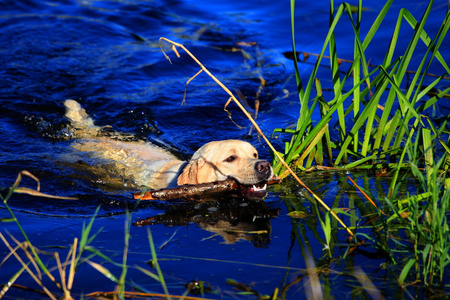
pixel 232 220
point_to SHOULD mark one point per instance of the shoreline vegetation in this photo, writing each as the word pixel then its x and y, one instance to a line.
pixel 384 122
pixel 376 117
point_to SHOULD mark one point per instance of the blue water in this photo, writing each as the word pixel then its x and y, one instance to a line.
pixel 106 55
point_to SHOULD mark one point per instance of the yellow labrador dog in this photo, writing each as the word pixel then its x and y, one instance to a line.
pixel 149 165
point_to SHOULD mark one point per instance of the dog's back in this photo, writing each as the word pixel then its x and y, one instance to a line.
pixel 145 163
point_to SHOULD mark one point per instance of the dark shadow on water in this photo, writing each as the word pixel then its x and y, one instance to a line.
pixel 232 219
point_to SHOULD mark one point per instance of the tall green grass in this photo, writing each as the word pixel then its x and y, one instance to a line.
pixel 425 216
pixel 378 110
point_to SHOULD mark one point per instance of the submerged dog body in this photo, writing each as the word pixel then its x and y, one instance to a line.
pixel 144 163
pixel 149 165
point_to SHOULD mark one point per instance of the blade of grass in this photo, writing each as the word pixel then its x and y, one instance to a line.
pixel 11 282
pixel 426 39
pixel 334 64
pixel 437 134
pixel 297 72
pixel 104 271
pixel 319 126
pixel 405 271
pixel 368 110
pixel 405 105
pixel 84 241
pixel 428 155
pixel 148 273
pixel 433 100
pixel 402 156
pixel 156 263
pixel 121 283
pixel 313 144
pixel 356 76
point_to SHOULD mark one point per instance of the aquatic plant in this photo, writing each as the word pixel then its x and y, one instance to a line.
pixel 67 268
pixel 309 142
pixel 382 95
pixel 423 256
pixel 425 218
pixel 31 253
pixel 380 124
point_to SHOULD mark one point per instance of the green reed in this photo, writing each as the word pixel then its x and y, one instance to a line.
pixel 424 216
pixel 377 109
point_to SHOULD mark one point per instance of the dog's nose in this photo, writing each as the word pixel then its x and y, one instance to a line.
pixel 263 167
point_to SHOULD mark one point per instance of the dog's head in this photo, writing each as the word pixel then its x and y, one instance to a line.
pixel 216 161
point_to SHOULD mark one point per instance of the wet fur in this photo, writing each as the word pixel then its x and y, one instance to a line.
pixel 152 166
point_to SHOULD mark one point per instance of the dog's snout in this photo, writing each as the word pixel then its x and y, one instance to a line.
pixel 263 167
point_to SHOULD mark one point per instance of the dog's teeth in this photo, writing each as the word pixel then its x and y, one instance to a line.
pixel 257 189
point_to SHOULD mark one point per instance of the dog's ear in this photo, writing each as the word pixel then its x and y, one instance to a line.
pixel 197 171
pixel 189 174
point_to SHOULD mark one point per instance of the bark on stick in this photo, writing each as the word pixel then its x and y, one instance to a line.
pixel 190 191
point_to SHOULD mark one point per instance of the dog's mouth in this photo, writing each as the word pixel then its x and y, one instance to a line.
pixel 257 190
pixel 254 191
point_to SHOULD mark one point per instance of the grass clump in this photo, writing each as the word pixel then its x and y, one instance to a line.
pixel 424 217
pixel 379 114
pixel 378 110
pixel 81 252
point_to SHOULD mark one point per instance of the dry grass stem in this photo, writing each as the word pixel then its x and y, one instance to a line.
pixel 365 195
pixel 72 264
pixel 187 83
pixel 25 266
pixel 258 129
pixel 140 294
pixel 24 190
pixel 10 283
pixel 24 246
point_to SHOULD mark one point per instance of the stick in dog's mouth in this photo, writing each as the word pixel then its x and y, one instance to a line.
pixel 209 190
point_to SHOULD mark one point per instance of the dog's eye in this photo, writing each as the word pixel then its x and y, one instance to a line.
pixel 255 155
pixel 230 159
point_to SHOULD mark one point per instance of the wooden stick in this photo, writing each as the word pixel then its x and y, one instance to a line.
pixel 190 190
pixel 196 191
